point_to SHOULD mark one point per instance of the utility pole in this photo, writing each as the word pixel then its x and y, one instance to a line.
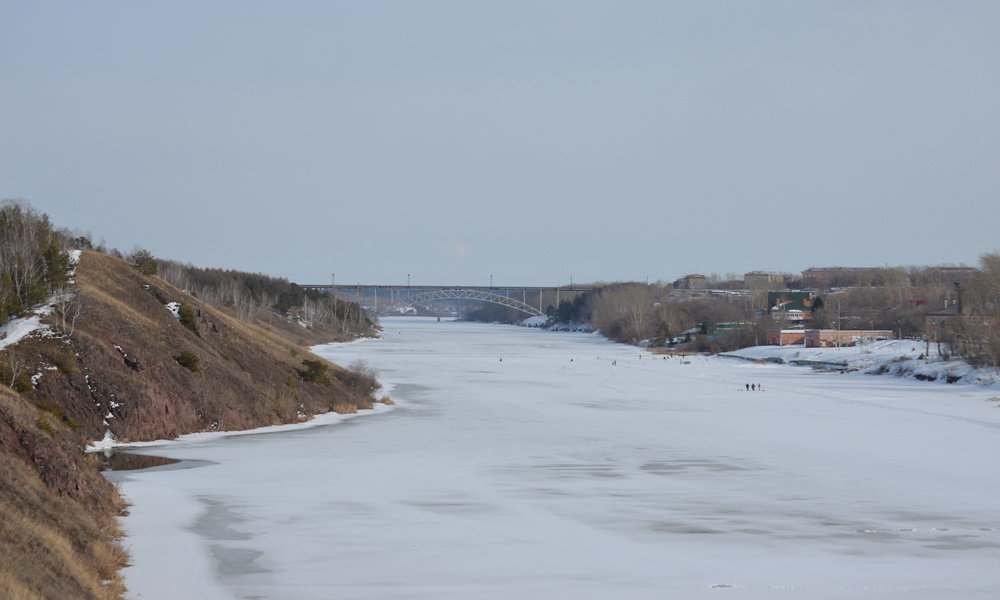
pixel 336 315
pixel 838 324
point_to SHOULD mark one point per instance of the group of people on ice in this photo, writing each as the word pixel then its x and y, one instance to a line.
pixel 755 387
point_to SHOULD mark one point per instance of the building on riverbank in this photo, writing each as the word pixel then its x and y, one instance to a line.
pixel 766 280
pixel 825 338
pixel 694 281
pixel 784 337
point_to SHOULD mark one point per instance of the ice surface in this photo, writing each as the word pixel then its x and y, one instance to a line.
pixel 555 473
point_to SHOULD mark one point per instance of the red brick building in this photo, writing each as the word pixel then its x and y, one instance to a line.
pixel 784 337
pixel 825 338
pixel 830 338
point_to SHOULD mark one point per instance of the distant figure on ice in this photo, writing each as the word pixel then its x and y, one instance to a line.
pixel 748 387
pixel 760 387
pixel 501 359
pixel 753 388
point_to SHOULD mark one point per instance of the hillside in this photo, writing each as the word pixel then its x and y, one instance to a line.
pixel 115 366
pixel 306 316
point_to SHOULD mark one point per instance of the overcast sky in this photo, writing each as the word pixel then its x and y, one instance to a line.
pixel 533 141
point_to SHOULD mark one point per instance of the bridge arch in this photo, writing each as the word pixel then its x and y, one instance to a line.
pixel 461 294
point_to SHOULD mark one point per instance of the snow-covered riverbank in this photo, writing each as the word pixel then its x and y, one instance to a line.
pixel 578 468
pixel 911 359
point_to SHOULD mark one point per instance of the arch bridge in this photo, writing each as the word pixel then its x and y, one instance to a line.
pixel 393 299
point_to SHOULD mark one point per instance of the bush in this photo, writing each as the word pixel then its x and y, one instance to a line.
pixel 58 414
pixel 366 380
pixel 144 261
pixel 43 424
pixel 22 383
pixel 362 368
pixel 188 317
pixel 64 361
pixel 189 360
pixel 315 372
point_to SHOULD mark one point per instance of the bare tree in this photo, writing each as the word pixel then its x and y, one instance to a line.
pixel 67 305
pixel 625 312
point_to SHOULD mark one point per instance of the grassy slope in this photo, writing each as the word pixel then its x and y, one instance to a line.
pixel 57 532
pixel 247 376
pixel 56 537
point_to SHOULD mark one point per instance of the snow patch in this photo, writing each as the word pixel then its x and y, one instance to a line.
pixel 910 359
pixel 204 436
pixel 105 443
pixel 533 322
pixel 17 329
pixel 174 308
pixel 74 260
pixel 574 327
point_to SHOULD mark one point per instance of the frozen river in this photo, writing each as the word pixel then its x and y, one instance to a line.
pixel 554 473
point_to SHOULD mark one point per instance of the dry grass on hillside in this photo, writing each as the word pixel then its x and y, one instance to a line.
pixel 51 545
pixel 52 548
pixel 129 345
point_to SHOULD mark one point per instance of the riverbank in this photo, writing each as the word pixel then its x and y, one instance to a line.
pixel 907 359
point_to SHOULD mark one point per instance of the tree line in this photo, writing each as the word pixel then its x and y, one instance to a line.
pixel 253 296
pixel 34 262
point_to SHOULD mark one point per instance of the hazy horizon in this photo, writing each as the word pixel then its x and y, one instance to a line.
pixel 533 142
